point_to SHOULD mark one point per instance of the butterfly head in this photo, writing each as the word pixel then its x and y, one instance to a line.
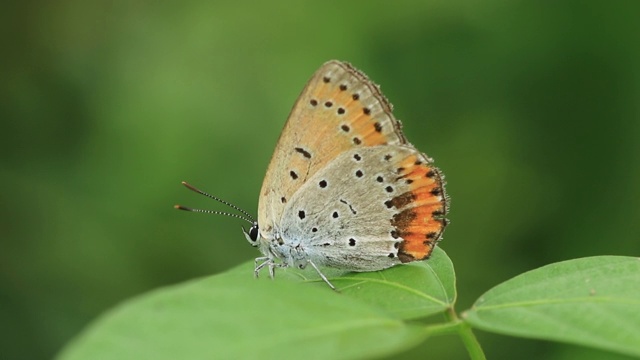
pixel 253 234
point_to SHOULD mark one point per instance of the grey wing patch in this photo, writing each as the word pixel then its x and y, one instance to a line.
pixel 341 217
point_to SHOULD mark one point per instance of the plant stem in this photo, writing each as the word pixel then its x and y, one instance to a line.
pixel 466 334
pixel 455 325
pixel 443 329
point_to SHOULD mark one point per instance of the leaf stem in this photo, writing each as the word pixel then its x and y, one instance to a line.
pixel 466 334
pixel 455 325
pixel 443 329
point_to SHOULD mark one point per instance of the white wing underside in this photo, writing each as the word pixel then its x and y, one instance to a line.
pixel 346 224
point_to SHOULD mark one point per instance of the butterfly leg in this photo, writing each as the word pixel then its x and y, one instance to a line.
pixel 322 275
pixel 272 269
pixel 261 262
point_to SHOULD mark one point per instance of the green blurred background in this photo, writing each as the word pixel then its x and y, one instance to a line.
pixel 531 109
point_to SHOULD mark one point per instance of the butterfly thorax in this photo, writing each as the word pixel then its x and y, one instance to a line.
pixel 288 253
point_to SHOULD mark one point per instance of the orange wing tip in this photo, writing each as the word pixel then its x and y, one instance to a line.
pixel 420 227
pixel 415 252
pixel 418 245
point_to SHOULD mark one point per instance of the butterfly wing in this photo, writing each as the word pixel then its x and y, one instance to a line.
pixel 341 111
pixel 374 207
pixel 338 109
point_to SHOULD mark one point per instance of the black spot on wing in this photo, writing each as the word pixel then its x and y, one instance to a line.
pixel 304 152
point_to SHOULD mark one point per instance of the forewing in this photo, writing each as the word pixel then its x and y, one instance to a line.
pixel 339 109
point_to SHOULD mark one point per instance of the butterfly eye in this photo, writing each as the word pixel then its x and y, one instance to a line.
pixel 253 232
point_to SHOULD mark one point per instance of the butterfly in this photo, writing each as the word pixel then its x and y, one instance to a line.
pixel 344 188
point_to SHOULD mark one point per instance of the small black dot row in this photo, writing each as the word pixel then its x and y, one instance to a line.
pixel 302 215
pixel 342 111
pixel 342 87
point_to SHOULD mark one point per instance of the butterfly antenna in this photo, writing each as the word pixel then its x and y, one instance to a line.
pixel 248 217
pixel 180 207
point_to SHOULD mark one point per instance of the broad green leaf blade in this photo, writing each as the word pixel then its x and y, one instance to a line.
pixel 408 291
pixel 591 301
pixel 414 290
pixel 232 315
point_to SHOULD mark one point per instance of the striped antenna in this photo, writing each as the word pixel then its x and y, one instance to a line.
pixel 248 217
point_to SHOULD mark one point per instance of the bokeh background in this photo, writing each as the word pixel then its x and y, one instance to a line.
pixel 531 109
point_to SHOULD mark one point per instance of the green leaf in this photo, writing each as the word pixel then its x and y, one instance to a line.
pixel 591 301
pixel 409 291
pixel 233 315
